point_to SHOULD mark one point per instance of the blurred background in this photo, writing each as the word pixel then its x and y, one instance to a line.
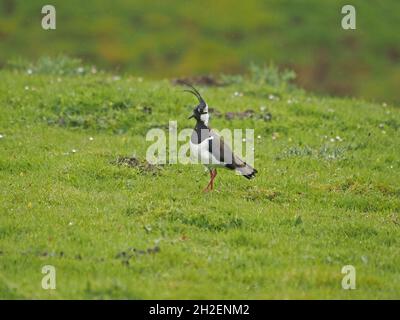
pixel 171 38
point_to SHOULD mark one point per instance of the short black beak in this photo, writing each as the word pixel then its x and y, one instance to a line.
pixel 192 116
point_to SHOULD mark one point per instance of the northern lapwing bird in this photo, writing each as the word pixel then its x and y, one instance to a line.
pixel 209 148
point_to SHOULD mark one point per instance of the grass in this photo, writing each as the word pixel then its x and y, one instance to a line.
pixel 327 193
pixel 199 37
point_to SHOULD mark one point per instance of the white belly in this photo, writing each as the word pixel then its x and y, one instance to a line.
pixel 199 154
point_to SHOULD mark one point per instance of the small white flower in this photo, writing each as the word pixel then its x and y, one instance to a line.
pixel 384 104
pixel 70 223
pixel 80 70
pixel 73 150
pixel 29 71
pixel 26 87
pixel 339 138
pixel 91 139
pixel 1 136
pixel 258 137
pixel 271 97
pixel 263 108
pixel 332 140
pixel 244 139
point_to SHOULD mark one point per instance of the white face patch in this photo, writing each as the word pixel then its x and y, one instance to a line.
pixel 205 117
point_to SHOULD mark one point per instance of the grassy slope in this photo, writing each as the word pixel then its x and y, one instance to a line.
pixel 286 234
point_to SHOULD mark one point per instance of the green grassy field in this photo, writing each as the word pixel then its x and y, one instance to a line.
pixel 166 39
pixel 327 193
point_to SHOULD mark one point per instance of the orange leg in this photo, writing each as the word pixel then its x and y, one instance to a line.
pixel 206 189
pixel 210 185
pixel 212 179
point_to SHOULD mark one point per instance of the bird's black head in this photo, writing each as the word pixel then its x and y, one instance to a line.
pixel 200 112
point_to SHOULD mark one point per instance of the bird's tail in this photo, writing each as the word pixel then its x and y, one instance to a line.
pixel 233 162
pixel 247 171
pixel 243 168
